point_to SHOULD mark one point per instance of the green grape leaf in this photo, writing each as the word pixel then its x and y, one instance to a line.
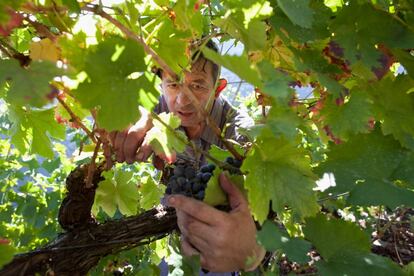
pixel 273 238
pixel 28 86
pixel 366 164
pixel 280 172
pixel 118 190
pixel 240 65
pixel 405 170
pixel 218 153
pixel 214 194
pixel 171 46
pixel 274 82
pixel 371 27
pixel 74 49
pixel 253 34
pixel 382 193
pixel 151 193
pixel 284 27
pixel 359 264
pixel 409 269
pixel 110 86
pixel 222 154
pixel 334 238
pixel 6 253
pixel 394 104
pixel 73 5
pixel 282 121
pixel 31 130
pixel 298 11
pixel 163 140
pixel 180 264
pixel 349 118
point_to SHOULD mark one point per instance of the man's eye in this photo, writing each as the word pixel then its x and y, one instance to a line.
pixel 172 85
pixel 197 86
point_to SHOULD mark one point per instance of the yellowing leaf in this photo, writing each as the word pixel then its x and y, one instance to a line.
pixel 44 49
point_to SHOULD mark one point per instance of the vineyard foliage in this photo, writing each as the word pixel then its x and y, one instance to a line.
pixel 69 68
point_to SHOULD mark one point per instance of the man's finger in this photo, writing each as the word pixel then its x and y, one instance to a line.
pixel 187 248
pixel 119 145
pixel 112 136
pixel 235 196
pixel 144 152
pixel 158 162
pixel 168 158
pixel 132 142
pixel 196 208
pixel 197 232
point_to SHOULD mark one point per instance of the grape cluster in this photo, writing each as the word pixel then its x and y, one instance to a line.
pixel 185 179
pixel 235 165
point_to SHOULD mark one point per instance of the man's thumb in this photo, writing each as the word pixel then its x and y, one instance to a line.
pixel 234 195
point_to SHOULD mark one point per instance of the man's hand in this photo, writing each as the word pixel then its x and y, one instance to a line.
pixel 225 241
pixel 126 143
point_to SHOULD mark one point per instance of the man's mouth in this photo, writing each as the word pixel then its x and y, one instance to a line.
pixel 185 114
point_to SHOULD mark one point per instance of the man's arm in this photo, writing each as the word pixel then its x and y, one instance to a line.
pixel 225 241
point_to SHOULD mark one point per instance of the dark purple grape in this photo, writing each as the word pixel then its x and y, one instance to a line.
pixel 196 187
pixel 168 190
pixel 206 177
pixel 179 170
pixel 200 195
pixel 189 172
pixel 176 189
pixel 199 176
pixel 187 186
pixel 181 181
pixel 211 167
pixel 204 169
pixel 237 163
pixel 230 160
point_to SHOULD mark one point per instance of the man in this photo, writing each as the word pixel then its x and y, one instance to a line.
pixel 224 241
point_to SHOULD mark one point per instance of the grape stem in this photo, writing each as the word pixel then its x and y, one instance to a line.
pixel 92 166
pixel 41 29
pixel 8 50
pixel 78 121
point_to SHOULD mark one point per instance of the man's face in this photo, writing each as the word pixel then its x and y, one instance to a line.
pixel 199 82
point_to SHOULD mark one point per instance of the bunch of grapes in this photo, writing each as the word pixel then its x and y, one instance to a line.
pixel 187 181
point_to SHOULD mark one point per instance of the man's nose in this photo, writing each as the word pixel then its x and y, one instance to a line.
pixel 182 98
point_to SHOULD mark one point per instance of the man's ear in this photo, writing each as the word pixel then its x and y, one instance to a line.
pixel 222 83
